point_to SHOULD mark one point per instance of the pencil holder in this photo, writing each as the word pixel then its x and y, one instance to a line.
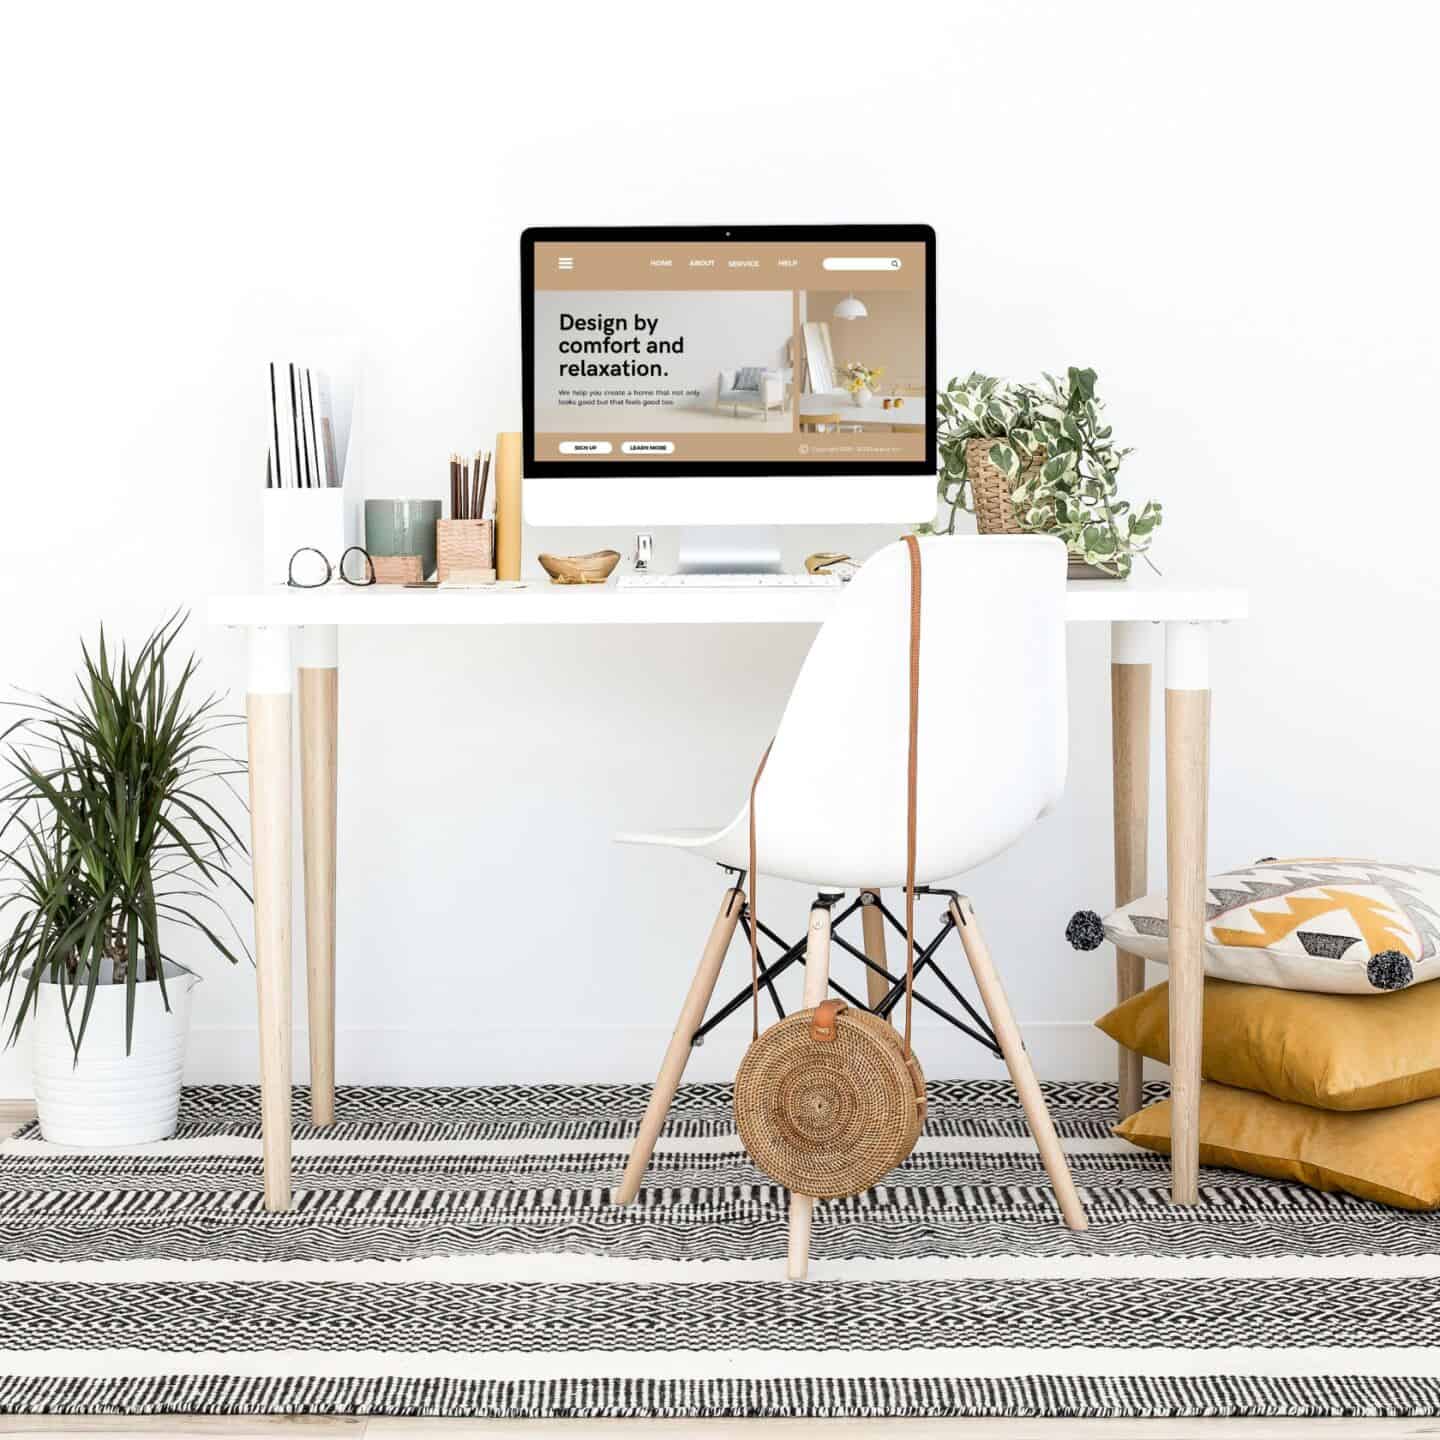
pixel 402 527
pixel 463 545
pixel 291 520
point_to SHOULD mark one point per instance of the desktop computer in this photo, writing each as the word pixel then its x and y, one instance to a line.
pixel 728 380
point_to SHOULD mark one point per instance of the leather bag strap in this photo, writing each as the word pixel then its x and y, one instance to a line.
pixel 755 914
pixel 912 776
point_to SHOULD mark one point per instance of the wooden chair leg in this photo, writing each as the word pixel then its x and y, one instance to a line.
pixel 677 1055
pixel 872 925
pixel 1037 1113
pixel 817 986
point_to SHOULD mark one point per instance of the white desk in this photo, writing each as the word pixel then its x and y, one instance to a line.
pixel 273 616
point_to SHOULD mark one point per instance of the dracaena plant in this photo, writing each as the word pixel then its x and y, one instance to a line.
pixel 1056 450
pixel 114 832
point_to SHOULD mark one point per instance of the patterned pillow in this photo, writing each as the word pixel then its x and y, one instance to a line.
pixel 1344 926
pixel 747 377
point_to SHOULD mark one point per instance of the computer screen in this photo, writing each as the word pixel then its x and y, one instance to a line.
pixel 782 351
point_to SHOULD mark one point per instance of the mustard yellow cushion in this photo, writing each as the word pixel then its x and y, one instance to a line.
pixel 1339 1052
pixel 1388 1155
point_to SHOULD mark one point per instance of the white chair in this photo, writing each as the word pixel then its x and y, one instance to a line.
pixel 770 394
pixel 831 804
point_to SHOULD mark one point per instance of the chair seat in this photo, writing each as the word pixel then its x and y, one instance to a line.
pixel 730 845
pixel 727 844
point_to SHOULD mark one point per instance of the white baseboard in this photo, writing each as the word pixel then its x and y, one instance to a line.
pixel 1060 1050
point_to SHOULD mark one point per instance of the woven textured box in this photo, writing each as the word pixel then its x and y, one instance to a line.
pixel 463 545
pixel 397 569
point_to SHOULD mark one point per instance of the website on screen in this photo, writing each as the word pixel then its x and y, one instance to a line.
pixel 745 353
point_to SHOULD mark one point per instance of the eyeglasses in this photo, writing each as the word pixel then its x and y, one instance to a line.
pixel 310 569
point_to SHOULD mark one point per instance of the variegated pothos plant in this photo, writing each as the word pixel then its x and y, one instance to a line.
pixel 1053 445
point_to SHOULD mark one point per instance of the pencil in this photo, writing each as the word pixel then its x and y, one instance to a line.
pixel 268 485
pixel 275 421
pixel 484 484
pixel 474 470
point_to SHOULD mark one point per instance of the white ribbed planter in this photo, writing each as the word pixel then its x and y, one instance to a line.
pixel 108 1097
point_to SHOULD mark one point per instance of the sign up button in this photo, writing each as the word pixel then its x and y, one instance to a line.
pixel 585 447
pixel 648 447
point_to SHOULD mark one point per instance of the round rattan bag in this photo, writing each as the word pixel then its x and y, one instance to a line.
pixel 827 1101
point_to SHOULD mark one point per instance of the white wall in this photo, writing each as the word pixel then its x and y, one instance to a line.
pixel 1226 209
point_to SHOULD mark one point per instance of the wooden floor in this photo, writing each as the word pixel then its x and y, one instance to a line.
pixel 15 1113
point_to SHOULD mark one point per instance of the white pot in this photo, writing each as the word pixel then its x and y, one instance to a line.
pixel 862 396
pixel 108 1097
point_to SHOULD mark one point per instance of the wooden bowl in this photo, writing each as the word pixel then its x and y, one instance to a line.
pixel 592 569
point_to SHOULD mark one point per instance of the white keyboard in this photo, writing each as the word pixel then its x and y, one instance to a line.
pixel 646 580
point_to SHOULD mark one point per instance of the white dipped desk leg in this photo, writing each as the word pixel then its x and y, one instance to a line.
pixel 1187 800
pixel 267 713
pixel 1130 778
pixel 319 723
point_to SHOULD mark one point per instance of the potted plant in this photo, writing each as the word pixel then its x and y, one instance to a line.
pixel 1040 459
pixel 112 837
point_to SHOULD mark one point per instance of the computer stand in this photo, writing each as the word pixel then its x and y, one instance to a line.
pixel 729 550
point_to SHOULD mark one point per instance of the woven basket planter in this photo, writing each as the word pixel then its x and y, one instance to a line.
pixel 990 489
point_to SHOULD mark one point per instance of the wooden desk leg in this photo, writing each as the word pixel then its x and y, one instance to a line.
pixel 1187 797
pixel 267 710
pixel 872 925
pixel 677 1055
pixel 319 713
pixel 1130 755
pixel 817 986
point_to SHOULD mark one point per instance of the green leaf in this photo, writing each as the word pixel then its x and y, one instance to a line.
pixel 1004 459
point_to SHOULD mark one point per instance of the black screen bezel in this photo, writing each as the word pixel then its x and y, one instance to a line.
pixel 680 235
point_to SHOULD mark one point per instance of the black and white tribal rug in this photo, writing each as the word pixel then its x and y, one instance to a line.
pixel 454 1252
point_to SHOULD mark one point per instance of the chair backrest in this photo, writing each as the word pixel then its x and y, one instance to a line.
pixel 830 807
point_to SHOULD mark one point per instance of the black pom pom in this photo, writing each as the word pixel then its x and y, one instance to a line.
pixel 1085 932
pixel 1390 970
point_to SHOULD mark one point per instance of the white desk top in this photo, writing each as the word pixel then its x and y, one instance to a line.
pixel 1142 597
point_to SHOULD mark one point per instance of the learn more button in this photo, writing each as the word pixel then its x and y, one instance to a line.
pixel 585 447
pixel 648 447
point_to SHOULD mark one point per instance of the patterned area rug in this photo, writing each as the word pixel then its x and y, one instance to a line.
pixel 454 1252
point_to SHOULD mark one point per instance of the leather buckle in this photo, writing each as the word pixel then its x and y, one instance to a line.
pixel 822 1022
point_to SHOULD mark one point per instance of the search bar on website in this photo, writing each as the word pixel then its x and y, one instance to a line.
pixel 860 262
